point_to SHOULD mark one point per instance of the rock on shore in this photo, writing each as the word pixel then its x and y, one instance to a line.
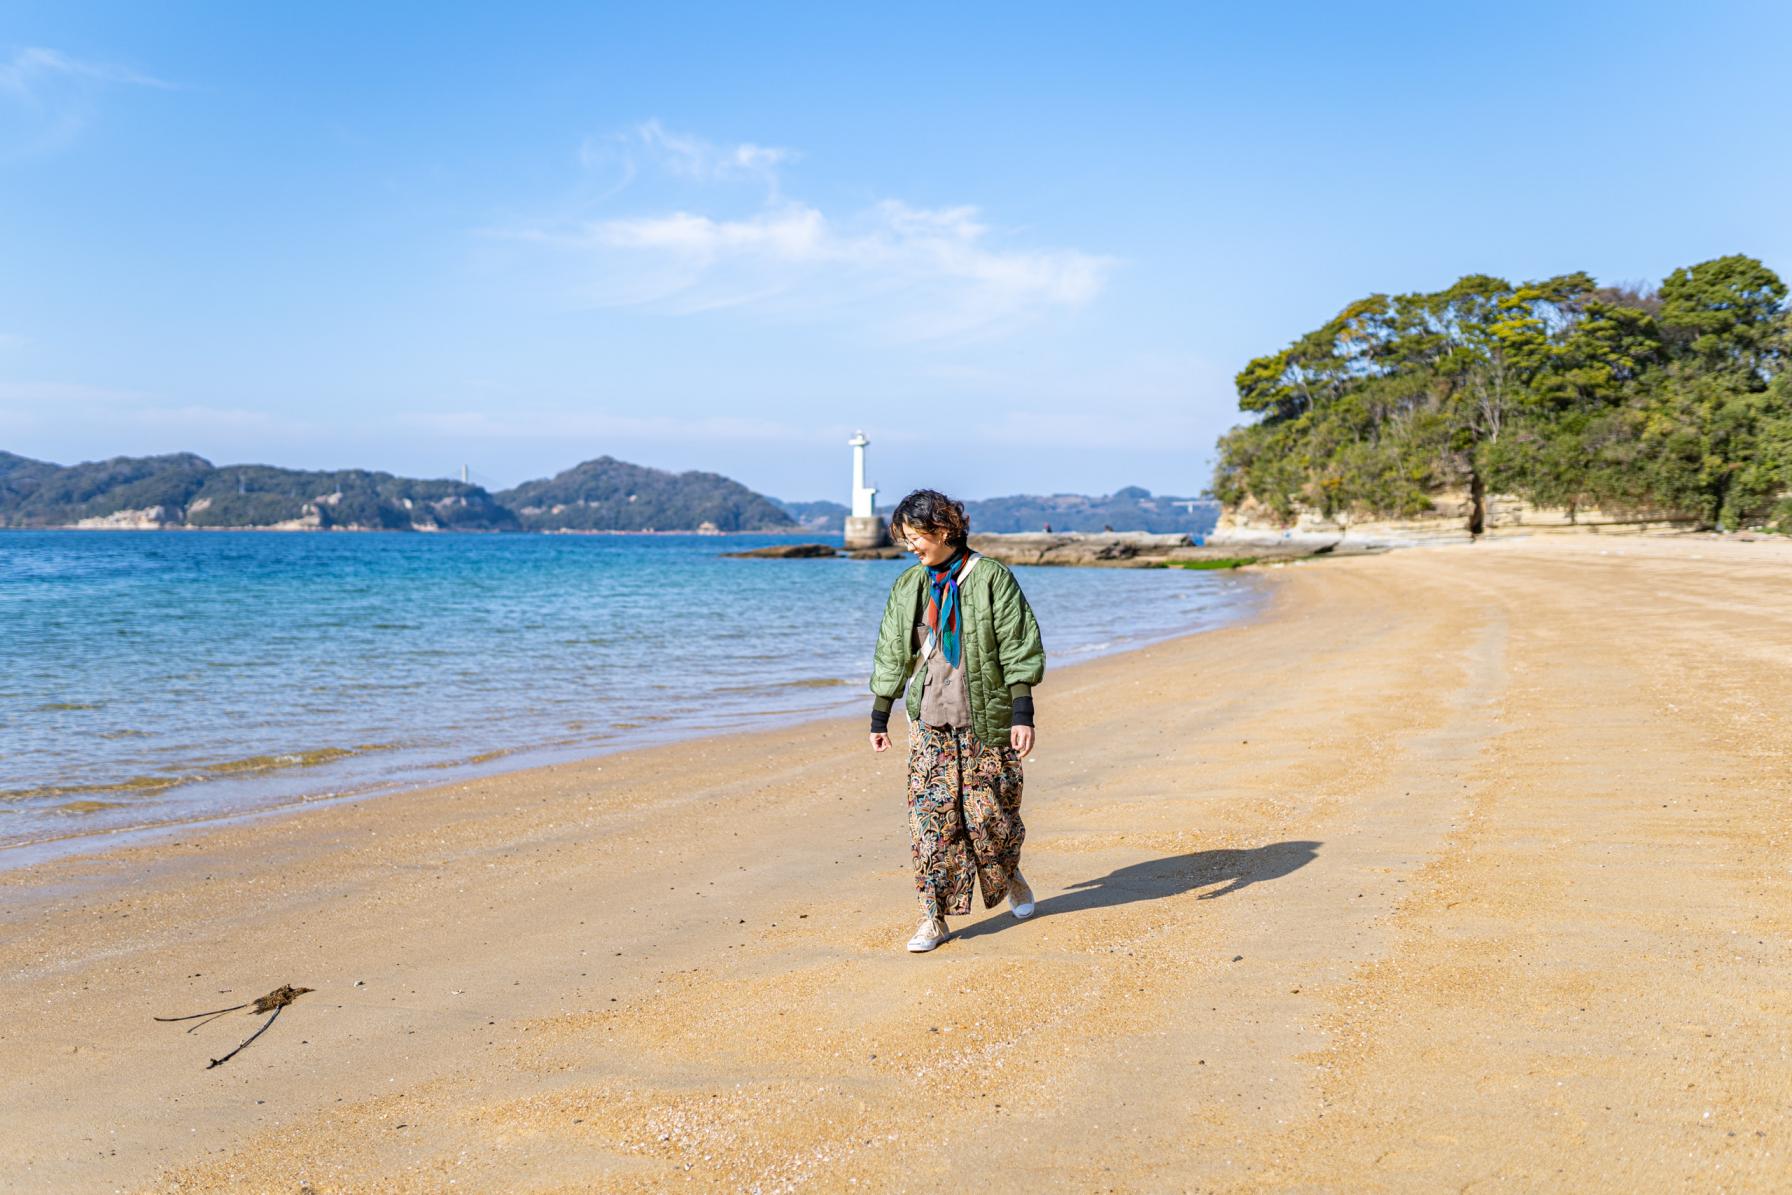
pixel 788 552
pixel 1130 549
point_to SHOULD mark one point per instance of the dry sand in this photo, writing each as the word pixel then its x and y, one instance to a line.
pixel 1460 868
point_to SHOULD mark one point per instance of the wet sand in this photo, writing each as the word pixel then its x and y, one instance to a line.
pixel 1459 868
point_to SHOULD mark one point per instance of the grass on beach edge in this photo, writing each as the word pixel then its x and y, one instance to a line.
pixel 1217 562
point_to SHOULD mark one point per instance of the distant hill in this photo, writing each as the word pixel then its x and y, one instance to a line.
pixel 816 516
pixel 611 495
pixel 1130 509
pixel 184 490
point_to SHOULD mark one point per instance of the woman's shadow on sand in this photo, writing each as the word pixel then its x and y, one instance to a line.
pixel 1230 869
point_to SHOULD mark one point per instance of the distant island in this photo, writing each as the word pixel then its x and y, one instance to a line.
pixel 823 516
pixel 611 495
pixel 1131 508
pixel 1558 402
pixel 182 490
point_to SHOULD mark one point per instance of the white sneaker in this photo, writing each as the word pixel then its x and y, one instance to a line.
pixel 1020 898
pixel 931 933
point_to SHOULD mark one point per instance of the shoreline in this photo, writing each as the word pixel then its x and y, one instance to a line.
pixel 14 856
pixel 1507 811
pixel 486 766
pixel 415 530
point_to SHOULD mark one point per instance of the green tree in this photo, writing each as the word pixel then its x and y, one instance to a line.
pixel 1558 391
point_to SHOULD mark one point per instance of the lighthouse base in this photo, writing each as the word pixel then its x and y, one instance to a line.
pixel 866 532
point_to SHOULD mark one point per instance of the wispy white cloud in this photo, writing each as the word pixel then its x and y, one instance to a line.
pixel 32 67
pixel 932 273
pixel 682 155
pixel 49 96
pixel 693 157
pixel 899 271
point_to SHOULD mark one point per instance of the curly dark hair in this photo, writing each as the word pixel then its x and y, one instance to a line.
pixel 933 512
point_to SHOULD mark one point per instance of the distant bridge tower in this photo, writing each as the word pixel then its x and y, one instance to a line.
pixel 863 528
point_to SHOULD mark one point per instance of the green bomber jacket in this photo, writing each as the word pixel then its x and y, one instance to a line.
pixel 1000 641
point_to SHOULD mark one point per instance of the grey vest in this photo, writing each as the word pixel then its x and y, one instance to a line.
pixel 946 694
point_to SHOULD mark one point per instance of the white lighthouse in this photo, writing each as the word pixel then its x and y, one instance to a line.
pixel 863 528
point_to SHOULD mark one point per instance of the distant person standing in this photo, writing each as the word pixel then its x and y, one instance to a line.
pixel 959 623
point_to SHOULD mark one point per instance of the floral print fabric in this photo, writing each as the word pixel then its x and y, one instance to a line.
pixel 963 816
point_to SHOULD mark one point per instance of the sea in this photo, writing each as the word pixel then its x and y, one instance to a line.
pixel 150 678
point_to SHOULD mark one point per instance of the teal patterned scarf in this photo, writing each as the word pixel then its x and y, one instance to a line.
pixel 942 605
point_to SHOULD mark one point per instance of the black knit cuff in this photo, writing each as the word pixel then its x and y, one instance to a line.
pixel 880 716
pixel 1023 711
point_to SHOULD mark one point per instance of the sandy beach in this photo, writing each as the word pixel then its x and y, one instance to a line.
pixel 1458 868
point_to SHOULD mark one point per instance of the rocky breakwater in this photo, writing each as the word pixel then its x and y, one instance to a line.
pixel 1132 549
pixel 1112 549
pixel 787 552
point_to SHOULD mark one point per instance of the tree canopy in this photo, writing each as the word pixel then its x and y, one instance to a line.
pixel 1674 402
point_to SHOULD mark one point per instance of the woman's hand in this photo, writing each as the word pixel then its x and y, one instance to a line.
pixel 1021 739
pixel 880 742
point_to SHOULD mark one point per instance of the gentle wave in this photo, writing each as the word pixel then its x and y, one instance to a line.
pixel 248 765
pixel 151 677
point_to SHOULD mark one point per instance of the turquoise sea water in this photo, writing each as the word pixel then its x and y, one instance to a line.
pixel 153 677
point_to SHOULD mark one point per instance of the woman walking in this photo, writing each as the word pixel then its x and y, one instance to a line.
pixel 961 625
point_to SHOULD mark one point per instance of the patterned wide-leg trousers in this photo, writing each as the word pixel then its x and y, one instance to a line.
pixel 964 818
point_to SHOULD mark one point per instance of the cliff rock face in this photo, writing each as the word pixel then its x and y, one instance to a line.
pixel 144 519
pixel 1078 548
pixel 1450 520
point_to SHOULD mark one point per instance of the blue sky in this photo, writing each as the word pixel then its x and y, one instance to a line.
pixel 1024 247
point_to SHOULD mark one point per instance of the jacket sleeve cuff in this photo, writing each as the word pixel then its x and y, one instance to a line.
pixel 1023 711
pixel 880 714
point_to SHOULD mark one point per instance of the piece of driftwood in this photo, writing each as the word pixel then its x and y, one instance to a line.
pixel 271 1003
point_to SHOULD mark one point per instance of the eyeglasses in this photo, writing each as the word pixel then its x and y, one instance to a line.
pixel 914 541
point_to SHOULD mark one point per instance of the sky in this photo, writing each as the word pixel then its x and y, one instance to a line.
pixel 1025 248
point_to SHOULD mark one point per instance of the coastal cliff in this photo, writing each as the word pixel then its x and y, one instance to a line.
pixel 1450 519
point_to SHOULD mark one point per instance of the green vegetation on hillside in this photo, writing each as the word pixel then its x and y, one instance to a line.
pixel 821 515
pixel 257 495
pixel 1673 402
pixel 1131 508
pixel 611 495
pixel 186 490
